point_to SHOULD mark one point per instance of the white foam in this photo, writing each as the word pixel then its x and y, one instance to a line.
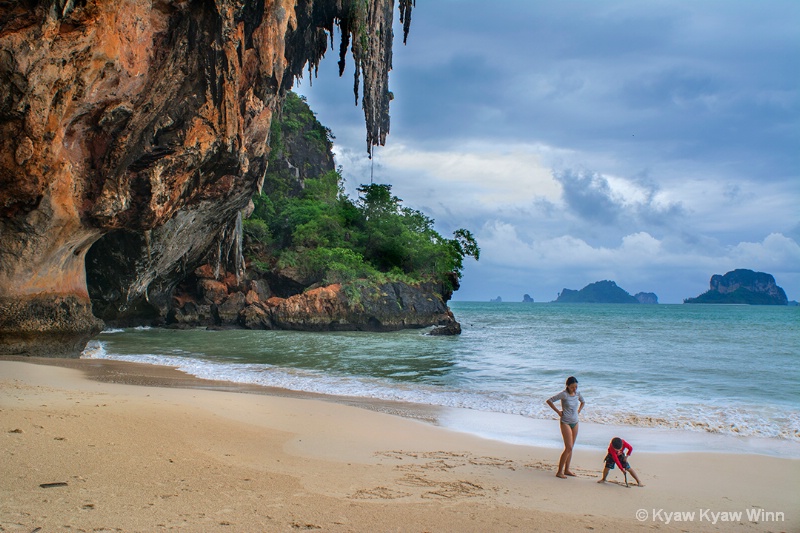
pixel 112 330
pixel 95 350
pixel 690 419
pixel 544 433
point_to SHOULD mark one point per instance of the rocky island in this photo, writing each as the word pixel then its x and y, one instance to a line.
pixel 606 292
pixel 742 286
pixel 141 135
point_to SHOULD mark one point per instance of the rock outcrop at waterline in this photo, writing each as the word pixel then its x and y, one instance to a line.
pixel 152 120
pixel 227 303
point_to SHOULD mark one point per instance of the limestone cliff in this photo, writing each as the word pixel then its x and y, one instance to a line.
pixel 150 121
pixel 646 297
pixel 742 286
pixel 267 295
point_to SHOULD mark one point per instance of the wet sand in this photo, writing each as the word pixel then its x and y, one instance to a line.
pixel 113 446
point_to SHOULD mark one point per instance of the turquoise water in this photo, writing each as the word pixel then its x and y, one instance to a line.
pixel 721 370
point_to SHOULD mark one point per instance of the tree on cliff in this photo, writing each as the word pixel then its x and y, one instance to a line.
pixel 398 237
pixel 305 221
pixel 331 239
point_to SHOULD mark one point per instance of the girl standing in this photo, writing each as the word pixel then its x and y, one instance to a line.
pixel 571 405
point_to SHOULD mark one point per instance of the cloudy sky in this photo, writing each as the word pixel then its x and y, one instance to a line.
pixel 650 143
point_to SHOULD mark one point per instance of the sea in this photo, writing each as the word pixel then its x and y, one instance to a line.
pixel 667 377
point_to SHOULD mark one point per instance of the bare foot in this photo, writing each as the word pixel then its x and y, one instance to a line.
pixel 639 485
pixel 601 480
pixel 562 476
pixel 569 473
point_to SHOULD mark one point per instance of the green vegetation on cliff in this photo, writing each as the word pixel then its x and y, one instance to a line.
pixel 304 221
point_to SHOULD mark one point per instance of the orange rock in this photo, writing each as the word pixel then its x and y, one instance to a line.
pixel 179 300
pixel 213 292
pixel 251 297
pixel 204 272
pixel 274 301
pixel 230 280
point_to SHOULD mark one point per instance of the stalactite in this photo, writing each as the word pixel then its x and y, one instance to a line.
pixel 366 28
pixel 405 16
pixel 147 240
pixel 218 262
pixel 238 258
pixel 229 255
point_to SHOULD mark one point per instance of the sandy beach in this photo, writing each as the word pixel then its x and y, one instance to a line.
pixel 91 445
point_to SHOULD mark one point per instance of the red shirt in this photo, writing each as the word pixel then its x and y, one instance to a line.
pixel 613 452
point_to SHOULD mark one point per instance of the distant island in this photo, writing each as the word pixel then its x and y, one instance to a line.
pixel 742 286
pixel 646 297
pixel 526 299
pixel 604 292
pixel 496 300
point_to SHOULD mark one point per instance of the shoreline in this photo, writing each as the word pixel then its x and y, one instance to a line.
pixel 406 367
pixel 138 451
pixel 501 427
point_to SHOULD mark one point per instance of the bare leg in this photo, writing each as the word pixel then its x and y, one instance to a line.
pixel 605 474
pixel 566 455
pixel 635 477
pixel 574 431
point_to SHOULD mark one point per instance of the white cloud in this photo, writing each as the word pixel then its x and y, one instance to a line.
pixel 673 143
pixel 775 251
pixel 627 192
pixel 502 245
pixel 489 178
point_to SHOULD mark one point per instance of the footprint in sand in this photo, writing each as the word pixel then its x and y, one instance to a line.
pixel 379 493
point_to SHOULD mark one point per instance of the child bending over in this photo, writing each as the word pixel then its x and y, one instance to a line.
pixel 616 455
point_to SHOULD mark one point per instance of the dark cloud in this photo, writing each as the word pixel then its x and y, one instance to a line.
pixel 653 215
pixel 687 114
pixel 588 195
pixel 712 84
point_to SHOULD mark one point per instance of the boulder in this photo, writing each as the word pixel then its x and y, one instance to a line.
pixel 255 317
pixel 453 328
pixel 228 311
pixel 191 314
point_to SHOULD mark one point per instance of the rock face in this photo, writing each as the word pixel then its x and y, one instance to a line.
pixel 395 306
pixel 646 297
pixel 57 326
pixel 527 299
pixel 742 286
pixel 605 291
pixel 250 304
pixel 266 296
pixel 147 124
